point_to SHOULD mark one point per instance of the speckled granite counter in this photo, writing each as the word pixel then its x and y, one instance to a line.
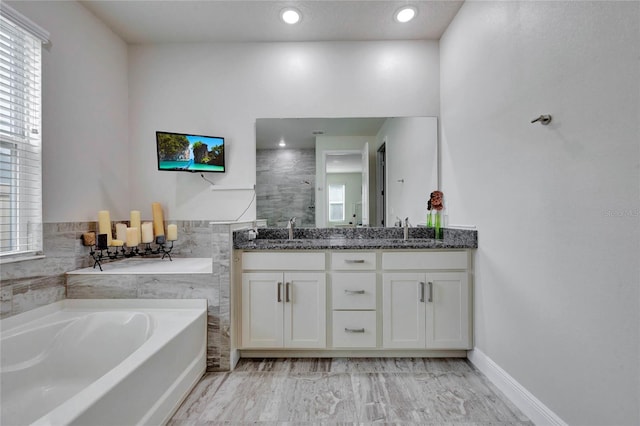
pixel 354 239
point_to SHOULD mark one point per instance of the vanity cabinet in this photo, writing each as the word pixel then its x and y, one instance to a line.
pixel 340 301
pixel 426 309
pixel 284 308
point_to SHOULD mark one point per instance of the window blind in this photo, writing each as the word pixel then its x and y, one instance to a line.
pixel 20 134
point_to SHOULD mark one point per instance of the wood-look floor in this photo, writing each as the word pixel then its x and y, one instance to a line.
pixel 425 391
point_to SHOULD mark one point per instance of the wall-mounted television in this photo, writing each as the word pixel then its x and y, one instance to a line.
pixel 190 153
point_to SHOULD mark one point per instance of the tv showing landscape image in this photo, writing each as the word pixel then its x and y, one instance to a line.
pixel 190 153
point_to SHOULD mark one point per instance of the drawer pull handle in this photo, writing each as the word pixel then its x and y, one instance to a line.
pixel 354 330
pixel 279 292
pixel 286 290
pixel 421 291
pixel 354 260
pixel 430 291
pixel 351 292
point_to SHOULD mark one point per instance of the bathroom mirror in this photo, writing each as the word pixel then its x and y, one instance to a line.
pixel 337 172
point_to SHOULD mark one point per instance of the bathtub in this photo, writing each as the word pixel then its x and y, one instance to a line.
pixel 101 362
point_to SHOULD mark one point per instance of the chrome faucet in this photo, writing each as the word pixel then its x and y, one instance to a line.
pixel 406 229
pixel 291 226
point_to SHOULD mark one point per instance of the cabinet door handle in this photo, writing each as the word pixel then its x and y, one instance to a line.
pixel 351 292
pixel 354 330
pixel 421 291
pixel 286 291
pixel 279 292
pixel 354 260
pixel 430 291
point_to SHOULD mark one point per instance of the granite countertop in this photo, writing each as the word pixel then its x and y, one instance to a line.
pixel 354 239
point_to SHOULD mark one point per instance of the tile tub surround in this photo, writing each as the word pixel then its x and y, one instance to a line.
pixel 354 238
pixel 28 284
pixel 351 390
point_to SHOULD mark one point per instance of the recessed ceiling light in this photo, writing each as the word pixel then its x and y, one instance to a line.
pixel 282 143
pixel 290 15
pixel 406 14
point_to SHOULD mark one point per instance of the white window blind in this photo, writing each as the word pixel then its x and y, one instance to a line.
pixel 20 134
pixel 336 203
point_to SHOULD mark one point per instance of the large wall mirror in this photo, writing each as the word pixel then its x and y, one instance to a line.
pixel 345 172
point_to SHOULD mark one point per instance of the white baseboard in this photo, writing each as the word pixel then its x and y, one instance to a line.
pixel 531 406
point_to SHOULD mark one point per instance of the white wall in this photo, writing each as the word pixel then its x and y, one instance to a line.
pixel 557 207
pixel 85 114
pixel 411 166
pixel 221 89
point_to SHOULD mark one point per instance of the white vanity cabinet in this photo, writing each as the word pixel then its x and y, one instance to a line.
pixel 283 302
pixel 423 306
pixel 382 301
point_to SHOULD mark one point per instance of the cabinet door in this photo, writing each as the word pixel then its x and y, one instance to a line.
pixel 262 309
pixel 403 324
pixel 305 322
pixel 448 311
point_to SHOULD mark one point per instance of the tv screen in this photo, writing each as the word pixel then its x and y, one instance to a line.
pixel 190 153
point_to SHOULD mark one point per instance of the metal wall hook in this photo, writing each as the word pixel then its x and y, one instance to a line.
pixel 543 119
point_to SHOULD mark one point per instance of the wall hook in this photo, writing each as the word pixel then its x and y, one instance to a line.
pixel 401 180
pixel 543 119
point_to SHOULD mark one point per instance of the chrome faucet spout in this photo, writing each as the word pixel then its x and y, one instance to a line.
pixel 406 229
pixel 291 226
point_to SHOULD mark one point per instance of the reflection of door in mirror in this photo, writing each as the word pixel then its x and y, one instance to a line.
pixel 342 157
pixel 344 177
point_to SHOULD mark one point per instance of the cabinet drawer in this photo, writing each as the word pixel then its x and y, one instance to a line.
pixel 353 261
pixel 353 290
pixel 354 329
pixel 425 260
pixel 283 261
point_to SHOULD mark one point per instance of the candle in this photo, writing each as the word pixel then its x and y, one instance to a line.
pixel 132 237
pixel 121 232
pixel 158 219
pixel 172 232
pixel 104 225
pixel 147 232
pixel 135 222
pixel 118 242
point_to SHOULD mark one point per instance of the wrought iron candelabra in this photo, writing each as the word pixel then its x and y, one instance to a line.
pixel 101 253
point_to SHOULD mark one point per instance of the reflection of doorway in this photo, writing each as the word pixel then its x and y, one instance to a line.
pixel 344 179
pixel 381 207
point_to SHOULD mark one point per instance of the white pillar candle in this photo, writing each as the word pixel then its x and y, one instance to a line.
pixel 118 242
pixel 135 222
pixel 172 232
pixel 132 237
pixel 104 225
pixel 158 219
pixel 121 231
pixel 147 232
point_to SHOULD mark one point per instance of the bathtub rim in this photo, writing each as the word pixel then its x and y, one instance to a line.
pixel 21 319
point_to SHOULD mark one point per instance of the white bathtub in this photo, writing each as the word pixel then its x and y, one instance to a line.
pixel 101 362
pixel 141 266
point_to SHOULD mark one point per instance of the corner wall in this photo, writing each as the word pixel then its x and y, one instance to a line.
pixel 85 151
pixel 557 207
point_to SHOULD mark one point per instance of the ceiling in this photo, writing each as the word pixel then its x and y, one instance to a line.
pixel 188 21
pixel 299 132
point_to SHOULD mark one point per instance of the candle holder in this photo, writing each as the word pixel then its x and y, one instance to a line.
pixel 102 253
